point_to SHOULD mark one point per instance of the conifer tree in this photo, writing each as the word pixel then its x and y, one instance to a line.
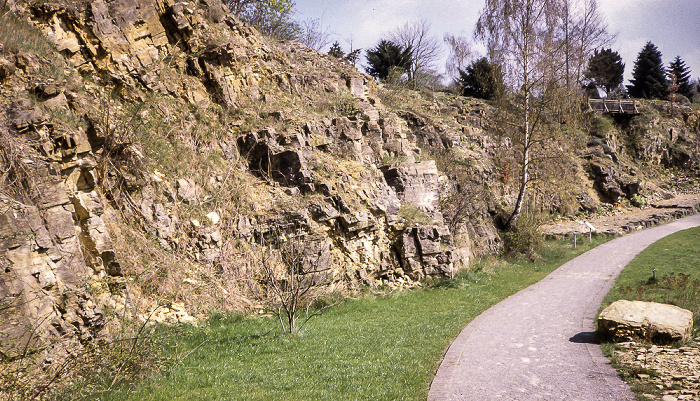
pixel 649 77
pixel 606 70
pixel 682 74
pixel 481 79
pixel 386 58
pixel 336 51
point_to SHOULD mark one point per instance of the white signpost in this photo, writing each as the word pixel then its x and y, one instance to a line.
pixel 583 225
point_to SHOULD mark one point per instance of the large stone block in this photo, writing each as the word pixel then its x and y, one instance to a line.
pixel 629 320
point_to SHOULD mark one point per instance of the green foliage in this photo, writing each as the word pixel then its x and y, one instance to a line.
pixel 606 70
pixel 601 124
pixel 649 78
pixel 678 69
pixel 377 347
pixel 270 17
pixel 346 104
pixel 336 51
pixel 481 79
pixel 638 200
pixel 524 238
pixel 388 58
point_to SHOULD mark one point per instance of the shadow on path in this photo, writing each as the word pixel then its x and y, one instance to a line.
pixel 586 337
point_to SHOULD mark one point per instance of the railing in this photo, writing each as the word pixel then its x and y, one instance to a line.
pixel 613 106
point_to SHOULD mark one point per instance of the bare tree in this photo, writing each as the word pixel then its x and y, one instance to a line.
pixel 582 30
pixel 294 270
pixel 460 54
pixel 425 49
pixel 314 35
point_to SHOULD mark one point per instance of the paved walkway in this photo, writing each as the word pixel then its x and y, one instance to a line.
pixel 538 344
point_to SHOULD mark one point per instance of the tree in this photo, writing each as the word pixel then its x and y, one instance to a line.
pixel 353 56
pixel 649 77
pixel 387 58
pixel 336 51
pixel 521 39
pixel 460 54
pixel 481 79
pixel 582 31
pixel 270 17
pixel 295 271
pixel 606 70
pixel 425 50
pixel 682 73
pixel 313 35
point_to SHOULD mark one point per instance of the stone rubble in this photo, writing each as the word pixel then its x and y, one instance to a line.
pixel 674 373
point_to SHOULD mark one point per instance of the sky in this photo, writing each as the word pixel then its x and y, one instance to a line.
pixel 672 25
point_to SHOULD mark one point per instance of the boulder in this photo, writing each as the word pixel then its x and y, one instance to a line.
pixel 627 320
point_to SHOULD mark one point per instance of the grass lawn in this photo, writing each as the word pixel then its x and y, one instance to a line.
pixel 383 346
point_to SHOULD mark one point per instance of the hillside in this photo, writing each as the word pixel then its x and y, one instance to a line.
pixel 151 150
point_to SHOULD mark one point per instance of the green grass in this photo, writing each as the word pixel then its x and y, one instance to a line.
pixel 382 346
pixel 677 262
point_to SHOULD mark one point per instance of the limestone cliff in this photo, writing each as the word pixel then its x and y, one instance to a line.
pixel 150 148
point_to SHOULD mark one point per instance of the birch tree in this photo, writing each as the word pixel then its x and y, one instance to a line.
pixel 461 54
pixel 541 47
pixel 520 36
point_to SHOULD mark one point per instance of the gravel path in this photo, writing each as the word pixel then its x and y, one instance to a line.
pixel 539 343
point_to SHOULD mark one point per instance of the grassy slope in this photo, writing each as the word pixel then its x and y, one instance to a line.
pixel 677 262
pixel 385 348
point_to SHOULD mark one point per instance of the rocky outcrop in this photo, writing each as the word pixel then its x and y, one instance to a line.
pixel 627 320
pixel 422 243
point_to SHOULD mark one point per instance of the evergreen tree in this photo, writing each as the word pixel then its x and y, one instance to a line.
pixel 480 79
pixel 649 77
pixel 387 58
pixel 606 70
pixel 682 73
pixel 353 56
pixel 336 51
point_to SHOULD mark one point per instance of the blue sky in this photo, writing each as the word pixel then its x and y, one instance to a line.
pixel 672 25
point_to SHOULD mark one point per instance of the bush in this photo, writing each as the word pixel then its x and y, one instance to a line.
pixel 601 124
pixel 524 238
pixel 638 200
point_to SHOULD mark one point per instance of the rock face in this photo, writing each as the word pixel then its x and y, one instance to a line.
pixel 88 210
pixel 627 320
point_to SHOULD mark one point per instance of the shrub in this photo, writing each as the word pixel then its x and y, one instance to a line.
pixel 638 201
pixel 524 238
